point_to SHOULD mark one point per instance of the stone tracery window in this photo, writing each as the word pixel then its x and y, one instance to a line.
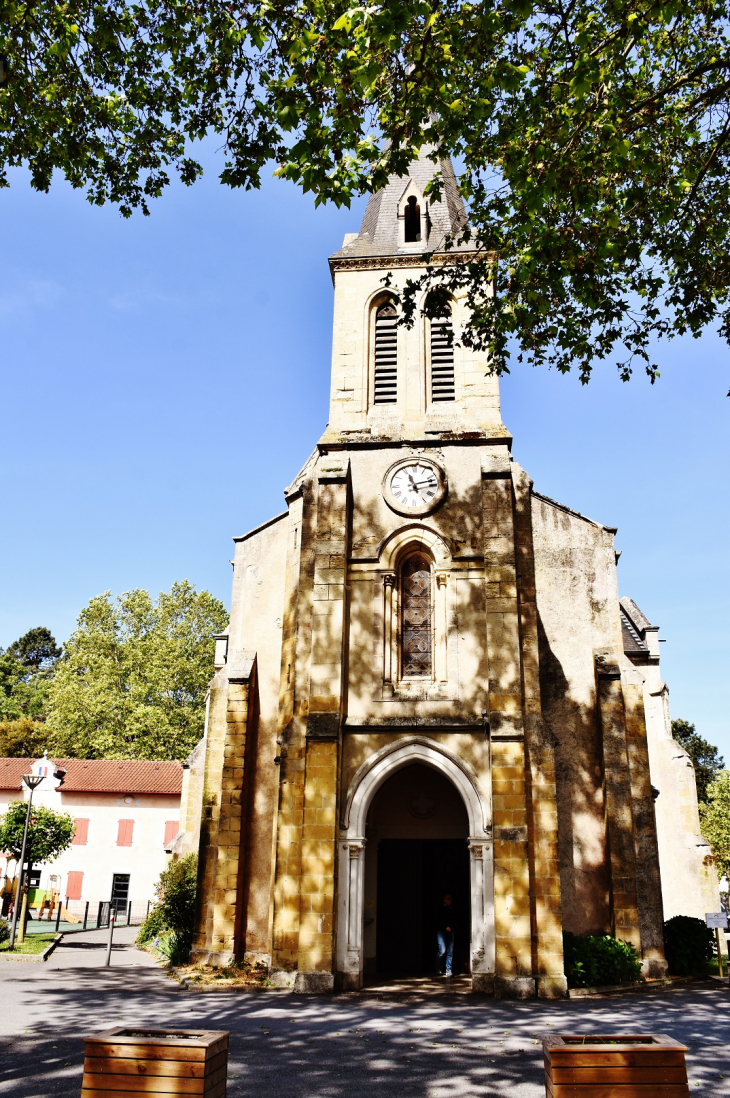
pixel 416 618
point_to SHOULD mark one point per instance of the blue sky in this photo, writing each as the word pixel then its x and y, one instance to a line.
pixel 164 378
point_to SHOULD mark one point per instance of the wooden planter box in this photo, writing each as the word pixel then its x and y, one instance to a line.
pixel 596 1065
pixel 155 1062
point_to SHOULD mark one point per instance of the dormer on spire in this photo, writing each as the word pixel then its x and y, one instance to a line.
pixel 413 216
pixel 399 219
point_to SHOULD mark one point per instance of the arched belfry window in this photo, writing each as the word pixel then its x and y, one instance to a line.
pixel 416 618
pixel 412 216
pixel 385 388
pixel 442 358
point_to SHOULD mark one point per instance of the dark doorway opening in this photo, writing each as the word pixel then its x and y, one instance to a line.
pixel 413 875
pixel 120 893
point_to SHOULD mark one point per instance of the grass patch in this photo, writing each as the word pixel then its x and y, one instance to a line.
pixel 713 968
pixel 34 943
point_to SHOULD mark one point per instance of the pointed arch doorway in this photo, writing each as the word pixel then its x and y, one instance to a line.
pixel 415 825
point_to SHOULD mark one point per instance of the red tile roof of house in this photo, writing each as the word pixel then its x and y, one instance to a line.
pixel 102 775
pixel 12 770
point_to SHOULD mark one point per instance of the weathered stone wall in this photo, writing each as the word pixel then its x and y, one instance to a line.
pixel 593 704
pixel 688 875
pixel 240 786
pixel 477 404
pixel 577 611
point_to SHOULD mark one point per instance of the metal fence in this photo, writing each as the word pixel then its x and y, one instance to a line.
pixel 93 914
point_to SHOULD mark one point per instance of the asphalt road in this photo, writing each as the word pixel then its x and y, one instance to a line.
pixel 297 1046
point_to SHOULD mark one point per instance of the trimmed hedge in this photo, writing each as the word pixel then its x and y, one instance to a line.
pixel 4 930
pixel 688 945
pixel 599 961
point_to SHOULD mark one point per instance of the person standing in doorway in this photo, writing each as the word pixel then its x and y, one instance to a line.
pixel 445 923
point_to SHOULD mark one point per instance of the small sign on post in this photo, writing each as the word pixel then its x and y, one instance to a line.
pixel 717 921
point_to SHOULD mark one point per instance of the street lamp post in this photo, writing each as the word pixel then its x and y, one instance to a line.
pixel 32 781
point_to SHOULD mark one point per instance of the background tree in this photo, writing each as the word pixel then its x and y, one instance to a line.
pixel 36 650
pixel 134 676
pixel 593 137
pixel 26 670
pixel 706 759
pixel 715 821
pixel 23 739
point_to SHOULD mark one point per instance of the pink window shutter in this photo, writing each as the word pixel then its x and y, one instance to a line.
pixel 73 885
pixel 81 833
pixel 124 834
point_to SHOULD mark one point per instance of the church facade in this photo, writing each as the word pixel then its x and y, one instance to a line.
pixel 429 683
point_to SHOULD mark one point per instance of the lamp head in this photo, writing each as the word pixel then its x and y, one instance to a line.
pixel 32 780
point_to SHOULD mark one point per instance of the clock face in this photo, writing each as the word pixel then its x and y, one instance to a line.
pixel 414 486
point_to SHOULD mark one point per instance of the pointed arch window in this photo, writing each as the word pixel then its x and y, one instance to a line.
pixel 416 618
pixel 385 389
pixel 443 385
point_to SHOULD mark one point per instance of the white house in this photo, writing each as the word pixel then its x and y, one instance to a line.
pixel 126 813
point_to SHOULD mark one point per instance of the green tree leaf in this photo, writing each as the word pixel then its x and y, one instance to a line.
pixel 715 821
pixel 49 832
pixel 594 139
pixel 134 676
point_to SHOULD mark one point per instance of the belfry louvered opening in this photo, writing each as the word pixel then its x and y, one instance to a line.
pixel 386 355
pixel 442 359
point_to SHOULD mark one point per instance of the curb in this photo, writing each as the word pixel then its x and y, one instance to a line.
pixel 635 985
pixel 32 958
pixel 50 948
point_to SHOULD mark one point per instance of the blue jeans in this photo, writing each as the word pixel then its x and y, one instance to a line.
pixel 445 939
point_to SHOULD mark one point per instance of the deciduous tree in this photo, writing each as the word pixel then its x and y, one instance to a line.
pixel 715 821
pixel 593 137
pixel 134 675
pixel 23 738
pixel 49 832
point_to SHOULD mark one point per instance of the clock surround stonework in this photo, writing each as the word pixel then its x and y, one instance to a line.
pixel 547 724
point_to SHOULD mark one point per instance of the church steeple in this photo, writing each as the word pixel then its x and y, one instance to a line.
pixel 392 383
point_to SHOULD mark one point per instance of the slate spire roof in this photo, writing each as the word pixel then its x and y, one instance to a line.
pixel 379 232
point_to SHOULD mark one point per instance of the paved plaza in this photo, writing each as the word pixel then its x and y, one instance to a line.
pixel 374 1045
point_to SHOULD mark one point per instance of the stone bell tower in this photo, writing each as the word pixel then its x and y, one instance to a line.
pixel 386 704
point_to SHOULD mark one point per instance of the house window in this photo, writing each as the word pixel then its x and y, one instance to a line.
pixel 81 835
pixel 416 646
pixel 171 829
pixel 442 359
pixel 124 833
pixel 412 216
pixel 73 885
pixel 385 390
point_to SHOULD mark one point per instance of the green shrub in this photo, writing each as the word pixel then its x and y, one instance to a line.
pixel 174 949
pixel 170 925
pixel 152 927
pixel 599 961
pixel 4 930
pixel 688 945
